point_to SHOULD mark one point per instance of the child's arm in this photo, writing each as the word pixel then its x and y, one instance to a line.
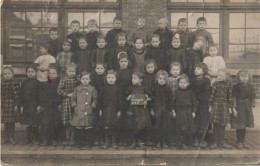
pixel 74 98
pixel 194 104
pixel 210 38
pixel 212 96
pixel 184 61
pixel 61 87
pixel 173 104
pixel 229 98
pixel 94 98
pixel 16 89
pixel 253 95
pixel 204 96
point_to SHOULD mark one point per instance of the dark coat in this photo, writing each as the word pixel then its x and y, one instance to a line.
pixel 177 55
pixel 124 79
pixel 137 58
pixel 193 58
pixel 165 37
pixel 74 37
pixel 149 80
pixel 92 39
pixel 82 58
pixel 157 54
pixel 98 81
pixel 55 46
pixel 201 33
pixel 101 55
pixel 111 38
pixel 185 37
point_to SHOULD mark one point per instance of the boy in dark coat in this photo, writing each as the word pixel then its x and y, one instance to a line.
pixel 184 32
pixel 92 34
pixel 75 35
pixel 55 45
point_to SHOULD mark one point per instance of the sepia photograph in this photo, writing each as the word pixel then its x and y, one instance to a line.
pixel 130 82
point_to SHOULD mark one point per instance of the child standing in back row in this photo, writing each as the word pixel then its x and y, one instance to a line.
pixel 184 32
pixel 92 34
pixel 75 35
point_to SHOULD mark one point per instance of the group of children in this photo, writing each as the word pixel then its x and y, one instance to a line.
pixel 126 91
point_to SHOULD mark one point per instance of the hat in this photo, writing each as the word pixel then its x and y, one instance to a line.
pixel 92 22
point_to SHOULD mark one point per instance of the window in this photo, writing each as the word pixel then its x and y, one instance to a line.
pixel 205 1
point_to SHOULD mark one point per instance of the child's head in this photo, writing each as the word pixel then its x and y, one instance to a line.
pixel 44 48
pixel 201 23
pixel 117 23
pixel 243 76
pixel 201 69
pixel 162 23
pixel 155 40
pixel 213 50
pixel 183 81
pixel 53 73
pixel 92 25
pixel 137 78
pixel 71 70
pixel 7 72
pixel 182 24
pixel 66 46
pixel 199 44
pixel 31 71
pixel 83 42
pixel 121 39
pixel 75 25
pixel 162 77
pixel 150 66
pixel 222 74
pixel 100 68
pixel 111 77
pixel 140 22
pixel 175 69
pixel 53 33
pixel 84 78
pixel 176 41
pixel 139 43
pixel 123 60
pixel 101 41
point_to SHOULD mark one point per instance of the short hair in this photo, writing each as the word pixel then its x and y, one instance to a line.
pixel 44 45
pixel 184 77
pixel 164 19
pixel 224 70
pixel 203 66
pixel 213 45
pixel 182 20
pixel 66 41
pixel 75 22
pixel 156 36
pixel 149 61
pixel 122 55
pixel 8 67
pixel 201 19
pixel 138 74
pixel 244 72
pixel 175 63
pixel 100 63
pixel 101 36
pixel 138 38
pixel 84 73
pixel 92 22
pixel 121 34
pixel 140 18
pixel 71 65
pixel 34 67
pixel 117 19
pixel 111 72
pixel 54 67
pixel 164 73
pixel 82 38
pixel 53 30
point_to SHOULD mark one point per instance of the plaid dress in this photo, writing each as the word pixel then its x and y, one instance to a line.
pixel 9 99
pixel 63 59
pixel 220 101
pixel 66 86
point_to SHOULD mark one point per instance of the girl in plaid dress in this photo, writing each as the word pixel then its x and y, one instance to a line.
pixel 65 89
pixel 220 108
pixel 9 94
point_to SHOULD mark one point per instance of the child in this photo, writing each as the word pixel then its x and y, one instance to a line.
pixel 9 102
pixel 176 53
pixel 202 89
pixel 92 34
pixel 220 108
pixel 184 32
pixel 54 43
pixel 84 101
pixel 243 94
pixel 161 108
pixel 139 31
pixel 29 103
pixel 137 116
pixel 175 72
pixel 138 55
pixel 50 102
pixel 82 57
pixel 110 109
pixel 98 76
pixel 214 62
pixel 75 35
pixel 150 72
pixel 111 35
pixel 156 53
pixel 184 108
pixel 65 89
pixel 64 58
pixel 43 62
pixel 164 33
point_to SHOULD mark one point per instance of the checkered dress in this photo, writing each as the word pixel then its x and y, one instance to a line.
pixel 66 86
pixel 9 94
pixel 63 59
pixel 221 101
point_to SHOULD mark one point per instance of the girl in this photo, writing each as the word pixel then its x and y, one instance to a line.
pixel 109 105
pixel 64 58
pixel 137 116
pixel 29 102
pixel 65 89
pixel 149 76
pixel 214 62
pixel 9 99
pixel 138 54
pixel 84 101
pixel 184 108
pixel 161 108
pixel 50 103
pixel 220 108
pixel 175 72
pixel 243 100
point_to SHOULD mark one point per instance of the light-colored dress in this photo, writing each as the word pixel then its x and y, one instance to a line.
pixel 44 62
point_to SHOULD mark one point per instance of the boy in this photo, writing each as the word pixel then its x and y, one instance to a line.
pixel 54 43
pixel 184 32
pixel 92 34
pixel 75 35
pixel 111 35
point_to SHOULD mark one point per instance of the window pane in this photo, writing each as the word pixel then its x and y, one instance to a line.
pixel 237 1
pixel 178 0
pixel 211 0
pixel 236 51
pixel 192 19
pixel 34 18
pixel 108 0
pixel 75 0
pixel 212 20
pixel 253 20
pixel 107 19
pixel 254 1
pixel 88 16
pixel 50 19
pixel 253 36
pixel 236 36
pixel 175 17
pixel 252 52
pixel 195 0
pixel 17 19
pixel 215 34
pixel 237 20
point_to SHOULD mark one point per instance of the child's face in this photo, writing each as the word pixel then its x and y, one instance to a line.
pixel 161 24
pixel 121 40
pixel 155 42
pixel 66 46
pixel 136 80
pixel 175 71
pixel 123 63
pixel 82 44
pixel 139 44
pixel 198 71
pixel 221 76
pixel 7 74
pixel 43 50
pixel 31 73
pixel 150 68
pixel 54 35
pixel 140 23
pixel 243 78
pixel 92 28
pixel 201 25
pixel 198 45
pixel 182 26
pixel 85 80
pixel 117 24
pixel 183 84
pixel 74 27
pixel 111 79
pixel 100 69
pixel 53 73
pixel 161 80
pixel 71 72
pixel 101 43
pixel 213 51
pixel 176 43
